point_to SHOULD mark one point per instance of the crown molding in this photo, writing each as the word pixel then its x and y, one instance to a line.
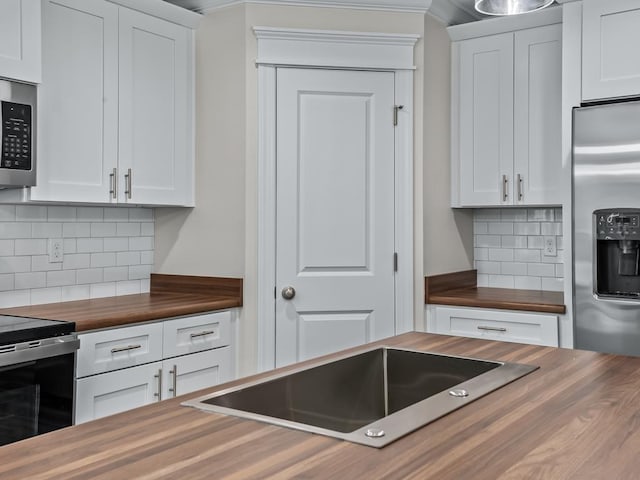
pixel 450 12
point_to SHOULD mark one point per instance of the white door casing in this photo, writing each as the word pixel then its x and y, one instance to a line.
pixel 335 215
pixel 344 50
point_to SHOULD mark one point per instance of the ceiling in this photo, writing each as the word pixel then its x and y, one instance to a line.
pixel 451 11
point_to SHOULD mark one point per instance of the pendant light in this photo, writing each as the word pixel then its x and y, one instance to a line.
pixel 510 7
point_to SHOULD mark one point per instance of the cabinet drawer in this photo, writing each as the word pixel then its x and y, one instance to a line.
pixel 195 334
pixel 509 326
pixel 119 348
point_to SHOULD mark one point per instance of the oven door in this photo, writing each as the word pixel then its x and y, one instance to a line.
pixel 36 395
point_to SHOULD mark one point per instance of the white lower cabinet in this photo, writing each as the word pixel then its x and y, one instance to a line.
pixel 128 367
pixel 490 324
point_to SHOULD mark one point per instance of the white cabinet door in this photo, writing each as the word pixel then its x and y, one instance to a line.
pixel 537 116
pixel 504 325
pixel 611 36
pixel 193 372
pixel 485 109
pixel 506 108
pixel 118 391
pixel 20 34
pixel 78 101
pixel 155 111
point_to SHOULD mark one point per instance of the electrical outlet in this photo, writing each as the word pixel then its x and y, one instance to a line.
pixel 55 250
pixel 550 247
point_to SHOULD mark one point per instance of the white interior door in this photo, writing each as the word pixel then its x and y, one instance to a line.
pixel 335 210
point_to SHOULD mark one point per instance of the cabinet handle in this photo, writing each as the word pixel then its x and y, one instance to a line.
pixel 505 187
pixel 174 380
pixel 520 187
pixel 125 349
pixel 113 183
pixel 158 375
pixel 492 329
pixel 127 183
pixel 203 333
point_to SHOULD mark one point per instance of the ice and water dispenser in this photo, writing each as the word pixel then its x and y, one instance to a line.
pixel 617 266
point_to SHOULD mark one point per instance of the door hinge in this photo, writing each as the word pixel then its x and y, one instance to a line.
pixel 395 261
pixel 396 109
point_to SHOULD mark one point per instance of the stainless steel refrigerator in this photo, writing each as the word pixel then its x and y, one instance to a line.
pixel 606 231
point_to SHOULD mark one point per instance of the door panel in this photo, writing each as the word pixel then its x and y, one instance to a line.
pixel 335 210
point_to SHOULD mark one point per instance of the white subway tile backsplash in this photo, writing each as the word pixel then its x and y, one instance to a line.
pixel 106 259
pixel 501 281
pixel 527 283
pixel 30 280
pixel 47 230
pixel 15 264
pixel 526 228
pixel 75 261
pixel 138 272
pixel 488 241
pixel 106 251
pixel 514 215
pixel 30 246
pixel 140 243
pixel 509 247
pixel 15 230
pixel 514 241
pixel 31 213
pixel 103 230
pixel 7 248
pixel 76 230
pixel 61 214
pixel 116 244
pixel 100 290
pixel 128 258
pixel 147 229
pixel 7 214
pixel 6 282
pixel 499 228
pixel 501 254
pixel 116 274
pixel 61 277
pixel 541 270
pixel 15 298
pixel 90 275
pixel 553 284
pixel 128 229
pixel 90 245
pixel 46 295
pixel 140 215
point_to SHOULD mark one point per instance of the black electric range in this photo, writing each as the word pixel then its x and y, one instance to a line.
pixel 24 329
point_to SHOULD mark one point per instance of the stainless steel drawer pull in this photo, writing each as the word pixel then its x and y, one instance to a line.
pixel 492 329
pixel 159 377
pixel 125 349
pixel 505 188
pixel 203 333
pixel 113 183
pixel 127 184
pixel 174 379
pixel 520 194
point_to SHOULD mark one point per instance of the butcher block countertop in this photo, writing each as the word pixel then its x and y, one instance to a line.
pixel 460 289
pixel 576 417
pixel 170 296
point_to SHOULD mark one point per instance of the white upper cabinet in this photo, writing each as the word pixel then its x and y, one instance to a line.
pixel 20 40
pixel 116 107
pixel 506 102
pixel 611 36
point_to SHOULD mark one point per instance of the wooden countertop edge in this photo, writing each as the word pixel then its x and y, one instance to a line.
pixel 459 289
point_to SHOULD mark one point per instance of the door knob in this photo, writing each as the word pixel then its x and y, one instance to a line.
pixel 288 293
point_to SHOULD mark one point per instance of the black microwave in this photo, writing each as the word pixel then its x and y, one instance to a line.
pixel 17 134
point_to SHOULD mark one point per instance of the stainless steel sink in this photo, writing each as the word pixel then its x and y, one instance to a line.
pixel 372 398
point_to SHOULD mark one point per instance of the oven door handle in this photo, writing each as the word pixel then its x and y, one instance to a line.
pixel 59 346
